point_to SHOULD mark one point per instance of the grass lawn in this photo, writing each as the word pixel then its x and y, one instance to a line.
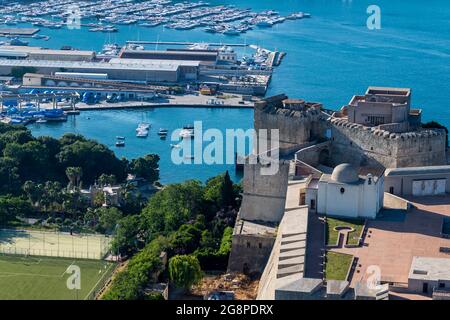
pixel 31 278
pixel 337 265
pixel 353 237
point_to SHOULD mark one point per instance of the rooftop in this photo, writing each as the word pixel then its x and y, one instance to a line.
pixel 345 173
pixel 389 91
pixel 433 269
pixel 114 64
pixel 244 227
pixel 417 170
pixel 26 49
pixel 158 54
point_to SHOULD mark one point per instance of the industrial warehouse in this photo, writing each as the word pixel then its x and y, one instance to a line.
pixel 217 68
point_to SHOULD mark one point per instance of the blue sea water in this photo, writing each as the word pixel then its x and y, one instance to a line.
pixel 329 58
pixel 105 126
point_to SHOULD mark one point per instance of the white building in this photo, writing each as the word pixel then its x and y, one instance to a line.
pixel 346 194
pixel 429 274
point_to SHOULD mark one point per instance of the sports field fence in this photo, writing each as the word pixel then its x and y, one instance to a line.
pixel 54 244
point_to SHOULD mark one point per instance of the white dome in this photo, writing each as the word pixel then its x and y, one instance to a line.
pixel 345 173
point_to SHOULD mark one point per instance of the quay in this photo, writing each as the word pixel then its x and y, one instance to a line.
pixel 26 32
pixel 180 101
pixel 176 43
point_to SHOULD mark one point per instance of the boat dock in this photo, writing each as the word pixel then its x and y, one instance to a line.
pixel 179 101
pixel 174 43
pixel 18 31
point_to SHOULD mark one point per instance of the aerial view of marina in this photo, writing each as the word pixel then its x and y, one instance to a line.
pixel 224 150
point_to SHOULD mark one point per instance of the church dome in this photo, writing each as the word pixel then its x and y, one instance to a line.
pixel 345 173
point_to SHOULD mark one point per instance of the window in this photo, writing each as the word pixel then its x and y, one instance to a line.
pixel 391 190
pixel 441 285
pixel 302 198
pixel 260 245
pixel 342 190
pixel 313 204
pixel 248 244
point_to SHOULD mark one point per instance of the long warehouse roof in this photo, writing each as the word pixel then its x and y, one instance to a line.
pixel 114 64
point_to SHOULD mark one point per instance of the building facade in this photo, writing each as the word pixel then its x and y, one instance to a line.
pixel 346 194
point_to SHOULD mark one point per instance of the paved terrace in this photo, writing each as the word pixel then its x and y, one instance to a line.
pixel 392 241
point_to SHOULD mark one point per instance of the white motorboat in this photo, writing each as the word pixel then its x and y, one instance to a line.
pixel 186 133
pixel 142 133
pixel 143 126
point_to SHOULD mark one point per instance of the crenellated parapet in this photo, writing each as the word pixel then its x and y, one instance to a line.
pixel 362 145
pixel 298 121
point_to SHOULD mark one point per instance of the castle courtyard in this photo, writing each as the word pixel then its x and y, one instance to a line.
pixel 392 241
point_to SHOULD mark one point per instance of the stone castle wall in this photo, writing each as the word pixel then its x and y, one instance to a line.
pixel 249 253
pixel 264 195
pixel 362 145
pixel 295 127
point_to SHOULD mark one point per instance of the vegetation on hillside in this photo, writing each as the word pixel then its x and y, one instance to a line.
pixel 192 222
pixel 42 178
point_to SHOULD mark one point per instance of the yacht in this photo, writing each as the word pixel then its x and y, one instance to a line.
pixel 264 23
pixel 231 32
pixel 163 132
pixel 186 134
pixel 143 126
pixel 142 133
pixel 120 141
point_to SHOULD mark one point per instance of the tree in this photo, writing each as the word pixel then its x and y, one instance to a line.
pixel 186 239
pixel 227 192
pixel 220 190
pixel 12 207
pixel 74 175
pixel 127 236
pixel 33 191
pixel 131 283
pixel 173 206
pixel 106 179
pixel 207 240
pixel 185 271
pixel 108 218
pixel 52 198
pixel 95 159
pixel 225 243
pixel 9 176
pixel 74 203
pixel 146 167
pixel 132 200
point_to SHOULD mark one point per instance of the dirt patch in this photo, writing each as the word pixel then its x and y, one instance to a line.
pixel 244 287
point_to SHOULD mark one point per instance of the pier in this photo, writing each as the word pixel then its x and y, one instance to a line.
pixel 180 101
pixel 25 32
pixel 176 43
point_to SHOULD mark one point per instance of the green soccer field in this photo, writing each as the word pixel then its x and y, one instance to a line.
pixel 31 278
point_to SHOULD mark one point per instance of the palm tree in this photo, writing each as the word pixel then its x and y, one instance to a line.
pixel 74 175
